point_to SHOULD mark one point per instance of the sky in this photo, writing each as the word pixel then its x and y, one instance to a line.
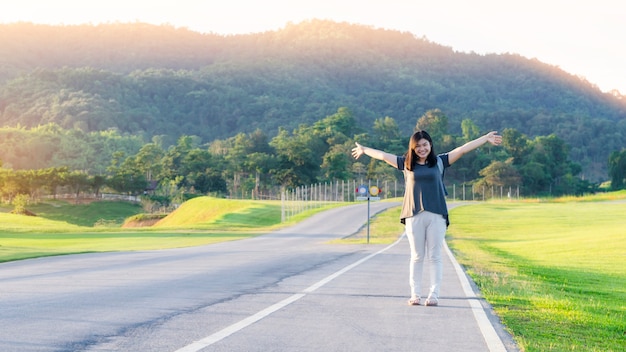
pixel 586 38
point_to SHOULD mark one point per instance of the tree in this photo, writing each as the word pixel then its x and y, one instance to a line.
pixel 435 123
pixel 148 160
pixel 200 172
pixel 52 178
pixel 210 182
pixel 387 136
pixel 470 130
pixel 78 181
pixel 535 177
pixel 516 144
pixel 74 151
pixel 127 181
pixel 239 148
pixel 173 159
pixel 299 156
pixel 20 201
pixel 125 176
pixel 336 163
pixel 339 125
pixel 617 169
pixel 261 164
pixel 14 182
pixel 96 184
pixel 501 174
pixel 552 152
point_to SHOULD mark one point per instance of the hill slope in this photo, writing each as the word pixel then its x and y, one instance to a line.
pixel 159 80
pixel 207 212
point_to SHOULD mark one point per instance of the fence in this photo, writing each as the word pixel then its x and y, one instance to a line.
pixel 295 201
pixel 485 193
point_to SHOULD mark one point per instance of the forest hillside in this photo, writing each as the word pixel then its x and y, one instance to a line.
pixel 146 81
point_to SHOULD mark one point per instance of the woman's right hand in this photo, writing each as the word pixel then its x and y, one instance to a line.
pixel 357 151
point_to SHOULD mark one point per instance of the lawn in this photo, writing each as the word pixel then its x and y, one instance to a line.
pixel 554 271
pixel 64 228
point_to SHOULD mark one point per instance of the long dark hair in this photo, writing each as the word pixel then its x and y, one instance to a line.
pixel 411 157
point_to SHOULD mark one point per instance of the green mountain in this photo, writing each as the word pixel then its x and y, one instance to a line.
pixel 163 81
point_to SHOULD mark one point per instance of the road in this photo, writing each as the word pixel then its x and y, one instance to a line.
pixel 285 291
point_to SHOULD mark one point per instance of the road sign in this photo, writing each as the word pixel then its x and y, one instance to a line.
pixel 368 193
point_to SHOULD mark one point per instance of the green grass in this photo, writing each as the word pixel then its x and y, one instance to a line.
pixel 553 269
pixel 384 228
pixel 215 213
pixel 16 246
pixel 206 213
pixel 84 215
pixel 554 272
pixel 64 228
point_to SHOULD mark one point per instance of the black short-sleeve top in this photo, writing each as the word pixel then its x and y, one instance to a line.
pixel 423 189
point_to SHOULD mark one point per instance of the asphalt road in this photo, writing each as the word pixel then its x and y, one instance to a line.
pixel 285 291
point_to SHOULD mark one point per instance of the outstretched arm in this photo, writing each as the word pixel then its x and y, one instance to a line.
pixel 375 153
pixel 491 137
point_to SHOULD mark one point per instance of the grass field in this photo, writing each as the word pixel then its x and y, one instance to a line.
pixel 64 228
pixel 554 271
pixel 214 213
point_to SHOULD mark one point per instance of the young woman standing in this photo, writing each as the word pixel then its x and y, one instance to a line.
pixel 424 209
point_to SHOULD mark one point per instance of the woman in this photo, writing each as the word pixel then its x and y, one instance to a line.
pixel 424 208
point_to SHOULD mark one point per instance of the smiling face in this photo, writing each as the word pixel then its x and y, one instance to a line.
pixel 422 149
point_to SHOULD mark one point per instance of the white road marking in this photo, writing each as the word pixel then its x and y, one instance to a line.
pixel 492 339
pixel 211 339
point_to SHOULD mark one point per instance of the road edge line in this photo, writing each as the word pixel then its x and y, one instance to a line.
pixel 493 340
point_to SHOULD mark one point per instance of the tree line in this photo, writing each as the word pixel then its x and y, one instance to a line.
pixel 158 81
pixel 255 165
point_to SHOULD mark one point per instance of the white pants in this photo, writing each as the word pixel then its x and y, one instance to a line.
pixel 425 232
